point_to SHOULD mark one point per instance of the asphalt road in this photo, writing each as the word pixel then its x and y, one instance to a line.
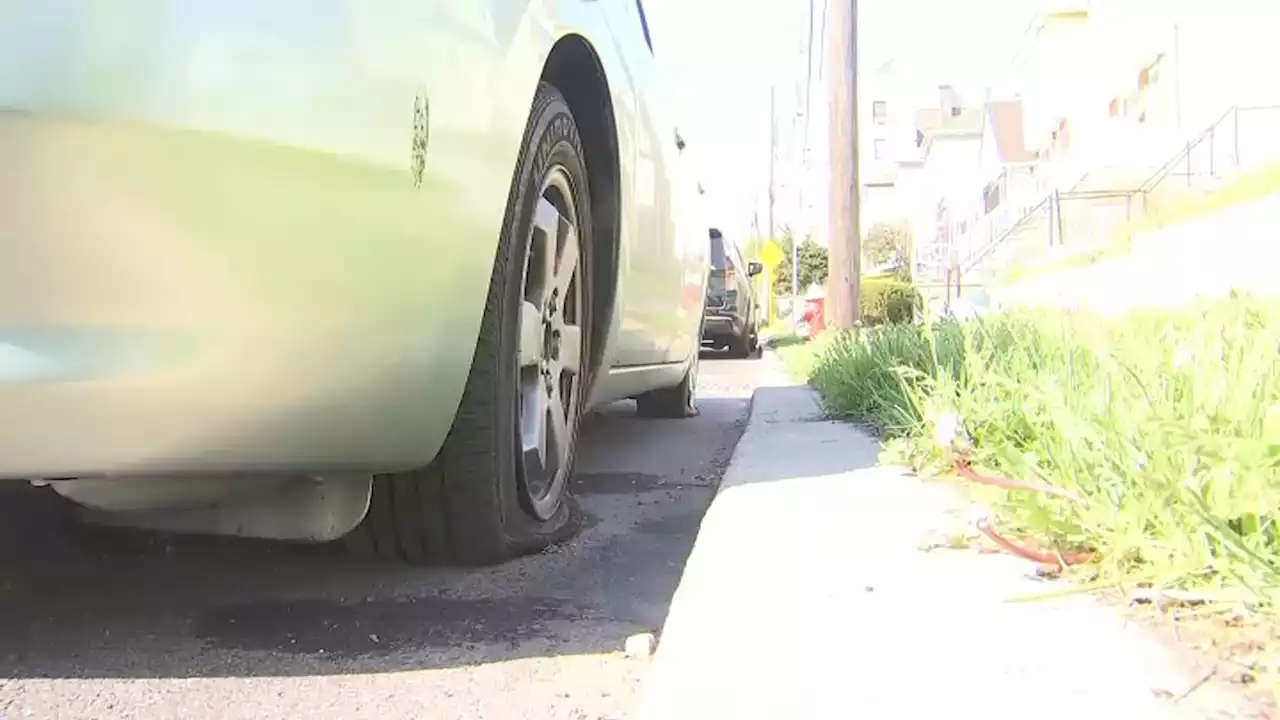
pixel 143 626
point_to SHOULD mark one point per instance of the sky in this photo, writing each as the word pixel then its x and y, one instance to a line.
pixel 721 56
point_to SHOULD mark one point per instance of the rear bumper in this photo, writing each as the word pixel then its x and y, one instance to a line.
pixel 718 326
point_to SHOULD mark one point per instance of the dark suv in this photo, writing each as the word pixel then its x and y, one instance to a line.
pixel 731 317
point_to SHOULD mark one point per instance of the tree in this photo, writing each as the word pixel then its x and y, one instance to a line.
pixel 813 265
pixel 888 243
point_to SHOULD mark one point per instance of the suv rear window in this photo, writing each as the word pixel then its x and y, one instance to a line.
pixel 718 257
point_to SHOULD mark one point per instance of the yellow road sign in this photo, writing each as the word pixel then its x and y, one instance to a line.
pixel 771 254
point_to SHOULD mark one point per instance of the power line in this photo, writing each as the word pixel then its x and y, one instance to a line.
pixel 808 87
pixel 804 172
pixel 773 154
pixel 804 155
pixel 808 102
pixel 822 39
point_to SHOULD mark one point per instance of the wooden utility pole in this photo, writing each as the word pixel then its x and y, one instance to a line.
pixel 843 283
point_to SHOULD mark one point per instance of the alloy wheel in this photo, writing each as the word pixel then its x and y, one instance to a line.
pixel 551 345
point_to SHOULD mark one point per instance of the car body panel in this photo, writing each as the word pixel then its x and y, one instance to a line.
pixel 648 326
pixel 224 249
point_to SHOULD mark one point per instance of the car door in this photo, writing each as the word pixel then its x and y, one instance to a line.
pixel 650 270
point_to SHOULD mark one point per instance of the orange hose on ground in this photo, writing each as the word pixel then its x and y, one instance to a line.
pixel 1056 559
pixel 1033 554
pixel 966 471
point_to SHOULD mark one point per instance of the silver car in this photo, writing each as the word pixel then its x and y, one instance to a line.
pixel 336 268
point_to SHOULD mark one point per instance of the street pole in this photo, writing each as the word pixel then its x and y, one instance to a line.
pixel 773 158
pixel 843 290
pixel 773 152
pixel 804 173
pixel 795 281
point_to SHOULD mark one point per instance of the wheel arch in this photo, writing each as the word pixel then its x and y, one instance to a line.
pixel 574 68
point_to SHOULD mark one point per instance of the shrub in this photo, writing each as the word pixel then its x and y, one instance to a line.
pixel 887 300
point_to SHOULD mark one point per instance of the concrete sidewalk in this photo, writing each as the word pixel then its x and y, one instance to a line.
pixel 808 595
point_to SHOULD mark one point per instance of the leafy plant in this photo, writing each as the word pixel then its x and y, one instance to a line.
pixel 886 243
pixel 887 300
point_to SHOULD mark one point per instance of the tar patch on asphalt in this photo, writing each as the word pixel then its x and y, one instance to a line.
pixel 618 483
pixel 379 626
pixel 674 525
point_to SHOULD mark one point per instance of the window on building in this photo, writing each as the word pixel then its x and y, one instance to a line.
pixel 879 112
pixel 880 149
pixel 992 196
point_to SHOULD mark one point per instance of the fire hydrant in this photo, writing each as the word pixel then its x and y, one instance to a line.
pixel 815 316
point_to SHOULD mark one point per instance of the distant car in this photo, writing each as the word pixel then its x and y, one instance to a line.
pixel 334 269
pixel 732 318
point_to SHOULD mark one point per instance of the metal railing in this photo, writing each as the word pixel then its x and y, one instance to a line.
pixel 1090 216
pixel 1001 238
pixel 1202 155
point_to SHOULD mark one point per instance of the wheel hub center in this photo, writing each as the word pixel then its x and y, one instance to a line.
pixel 553 346
pixel 550 333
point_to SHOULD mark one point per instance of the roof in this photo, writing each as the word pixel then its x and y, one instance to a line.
pixel 1005 117
pixel 932 122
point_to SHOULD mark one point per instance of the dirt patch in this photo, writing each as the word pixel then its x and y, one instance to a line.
pixel 1234 657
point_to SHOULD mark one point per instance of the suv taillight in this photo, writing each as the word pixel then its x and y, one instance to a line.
pixel 730 272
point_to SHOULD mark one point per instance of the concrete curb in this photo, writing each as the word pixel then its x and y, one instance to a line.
pixel 807 594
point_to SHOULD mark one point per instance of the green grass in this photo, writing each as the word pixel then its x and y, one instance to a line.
pixel 777 328
pixel 1167 424
pixel 1119 246
pixel 798 353
pixel 1181 207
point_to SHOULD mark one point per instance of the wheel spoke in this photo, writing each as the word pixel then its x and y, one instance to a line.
pixel 542 264
pixel 543 440
pixel 533 420
pixel 571 348
pixel 567 262
pixel 530 334
pixel 558 432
